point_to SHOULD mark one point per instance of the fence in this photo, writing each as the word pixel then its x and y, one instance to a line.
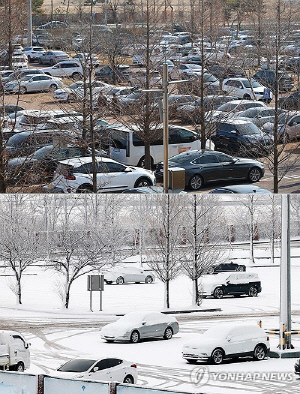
pixel 22 383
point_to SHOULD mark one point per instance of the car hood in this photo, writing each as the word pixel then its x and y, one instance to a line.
pixel 18 161
pixel 203 344
pixel 243 160
pixel 117 328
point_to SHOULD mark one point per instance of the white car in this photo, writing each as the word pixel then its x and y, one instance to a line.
pixel 84 58
pixel 34 83
pixel 68 93
pixel 245 88
pixel 135 326
pixel 14 351
pixel 121 275
pixel 67 68
pixel 228 340
pixel 19 62
pixel 106 370
pixel 33 53
pixel 75 176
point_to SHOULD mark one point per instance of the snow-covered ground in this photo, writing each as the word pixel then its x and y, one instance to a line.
pixel 159 362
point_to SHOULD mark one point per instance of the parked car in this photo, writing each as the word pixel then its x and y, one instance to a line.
pixel 290 129
pixel 121 275
pixel 246 89
pixel 34 83
pixel 19 62
pixel 239 105
pixel 258 115
pixel 68 93
pixel 203 167
pixel 138 78
pixel 145 190
pixel 236 284
pixel 106 370
pixel 240 189
pixel 65 68
pixel 33 53
pixel 228 340
pixel 85 59
pixel 53 57
pixel 225 267
pixel 14 351
pixel 19 74
pixel 75 175
pixel 237 136
pixel 291 102
pixel 135 326
pixel 107 74
pixel 53 25
pixel 268 78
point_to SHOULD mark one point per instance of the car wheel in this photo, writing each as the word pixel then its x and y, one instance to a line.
pixel 218 293
pixel 252 291
pixel 76 76
pixel 259 353
pixel 29 59
pixel 254 174
pixel 85 189
pixel 20 367
pixel 51 62
pixel 217 356
pixel 247 97
pixel 191 361
pixel 196 182
pixel 109 340
pixel 134 337
pixel 120 280
pixel 108 282
pixel 168 333
pixel 149 279
pixel 52 88
pixel 128 379
pixel 143 182
pixel 72 97
pixel 23 90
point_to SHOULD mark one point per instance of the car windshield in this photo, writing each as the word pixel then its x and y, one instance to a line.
pixel 209 78
pixel 43 152
pixel 247 129
pixel 252 83
pixel 17 139
pixel 183 157
pixel 78 365
pixel 216 332
pixel 132 317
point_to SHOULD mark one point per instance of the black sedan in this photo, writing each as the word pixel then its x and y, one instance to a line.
pixel 227 267
pixel 203 167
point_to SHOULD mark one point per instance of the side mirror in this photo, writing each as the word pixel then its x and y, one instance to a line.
pixel 229 338
pixel 127 169
pixel 95 369
pixel 233 131
pixel 143 323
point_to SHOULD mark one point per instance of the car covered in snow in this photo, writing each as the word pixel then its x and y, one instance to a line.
pixel 105 369
pixel 228 340
pixel 135 326
pixel 235 284
pixel 121 275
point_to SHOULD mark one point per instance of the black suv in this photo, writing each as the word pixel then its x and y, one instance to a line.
pixel 268 78
pixel 236 136
pixel 225 267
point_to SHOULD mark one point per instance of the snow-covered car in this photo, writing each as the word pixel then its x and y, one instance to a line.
pixel 121 275
pixel 33 53
pixel 228 340
pixel 76 175
pixel 34 83
pixel 245 88
pixel 135 326
pixel 106 370
pixel 230 284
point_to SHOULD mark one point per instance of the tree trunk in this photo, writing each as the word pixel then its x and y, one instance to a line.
pixel 167 294
pixel 19 296
pixel 195 293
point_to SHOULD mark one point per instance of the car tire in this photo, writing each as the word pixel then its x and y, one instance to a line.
pixel 252 291
pixel 135 337
pixel 259 352
pixel 109 340
pixel 120 280
pixel 20 367
pixel 247 97
pixel 29 59
pixel 168 334
pixel 218 293
pixel 51 62
pixel 85 189
pixel 149 279
pixel 191 361
pixel 22 90
pixel 217 356
pixel 143 182
pixel 72 97
pixel 52 87
pixel 128 379
pixel 108 282
pixel 76 76
pixel 254 174
pixel 196 182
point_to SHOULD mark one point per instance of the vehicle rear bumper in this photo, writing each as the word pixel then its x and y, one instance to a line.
pixel 52 189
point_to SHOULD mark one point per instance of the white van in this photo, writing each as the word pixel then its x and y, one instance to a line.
pixel 14 351
pixel 128 148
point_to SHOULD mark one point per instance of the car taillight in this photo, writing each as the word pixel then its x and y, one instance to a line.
pixel 70 177
pixel 268 338
pixel 133 365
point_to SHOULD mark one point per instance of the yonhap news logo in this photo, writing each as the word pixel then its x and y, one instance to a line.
pixel 202 375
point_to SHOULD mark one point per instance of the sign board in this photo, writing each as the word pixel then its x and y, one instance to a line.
pixel 17 383
pixel 66 386
pixel 95 282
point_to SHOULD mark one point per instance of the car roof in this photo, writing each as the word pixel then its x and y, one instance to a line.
pixel 78 161
pixel 244 189
pixel 235 121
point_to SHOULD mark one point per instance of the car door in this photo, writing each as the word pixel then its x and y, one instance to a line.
pixel 116 176
pixel 236 342
pixel 293 127
pixel 229 169
pixel 233 285
pixel 151 327
pixel 33 84
pixel 44 82
pixel 100 371
pixel 226 137
pixel 208 166
pixel 116 368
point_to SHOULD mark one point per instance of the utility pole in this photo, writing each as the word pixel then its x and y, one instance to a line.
pixel 285 272
pixel 165 127
pixel 29 23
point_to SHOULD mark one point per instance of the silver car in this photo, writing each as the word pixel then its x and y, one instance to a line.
pixel 34 83
pixel 135 326
pixel 121 275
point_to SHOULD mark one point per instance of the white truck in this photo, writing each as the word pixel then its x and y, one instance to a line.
pixel 14 351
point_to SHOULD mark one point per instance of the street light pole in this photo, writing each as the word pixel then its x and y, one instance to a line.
pixel 285 270
pixel 165 127
pixel 29 23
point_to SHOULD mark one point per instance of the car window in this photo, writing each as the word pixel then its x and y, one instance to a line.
pixel 113 362
pixel 295 121
pixel 114 167
pixel 19 341
pixel 86 168
pixel 224 159
pixel 102 365
pixel 206 159
pixel 179 136
pixel 227 127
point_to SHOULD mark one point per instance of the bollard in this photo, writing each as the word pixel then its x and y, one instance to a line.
pixel 40 384
pixel 112 389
